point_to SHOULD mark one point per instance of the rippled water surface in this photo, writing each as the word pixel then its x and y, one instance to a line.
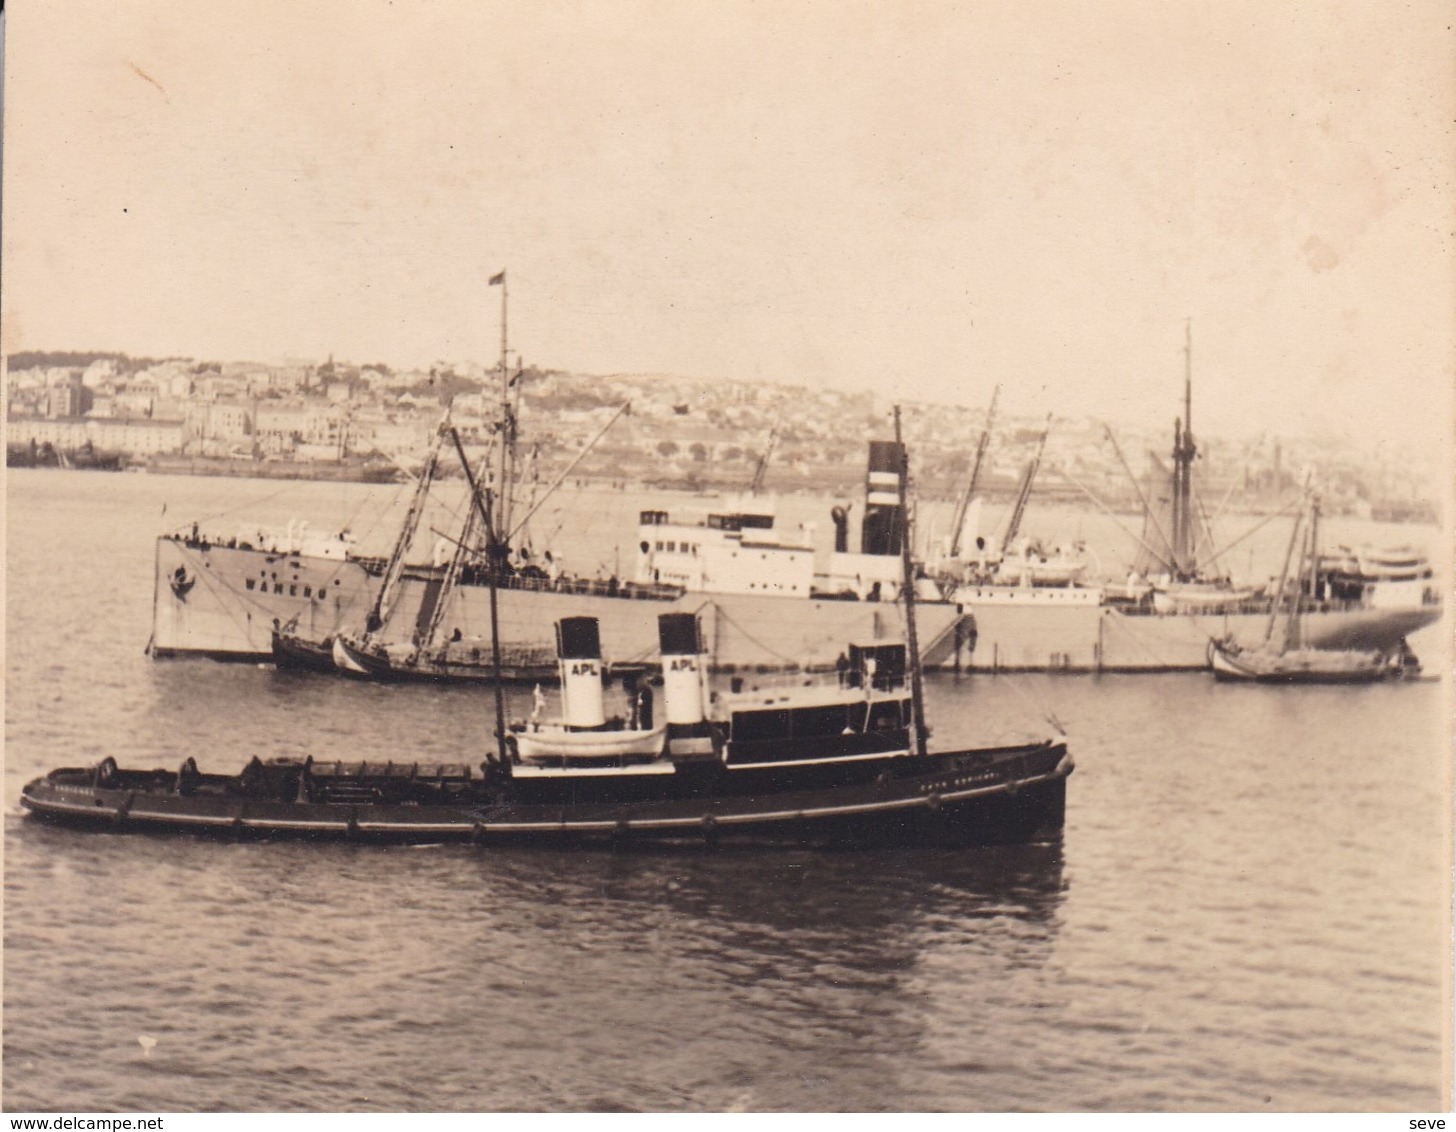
pixel 1247 909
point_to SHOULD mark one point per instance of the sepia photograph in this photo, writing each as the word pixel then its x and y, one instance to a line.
pixel 710 556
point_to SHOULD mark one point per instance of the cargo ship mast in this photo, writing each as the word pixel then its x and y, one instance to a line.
pixel 1185 451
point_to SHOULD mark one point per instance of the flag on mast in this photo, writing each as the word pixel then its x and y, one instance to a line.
pixel 498 280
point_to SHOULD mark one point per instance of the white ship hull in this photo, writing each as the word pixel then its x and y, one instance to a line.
pixel 218 616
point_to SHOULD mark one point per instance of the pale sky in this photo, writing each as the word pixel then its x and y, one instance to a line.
pixel 924 198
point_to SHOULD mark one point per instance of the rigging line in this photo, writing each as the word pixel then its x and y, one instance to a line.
pixel 273 556
pixel 625 408
pixel 453 511
pixel 1137 487
pixel 1287 509
pixel 1223 504
pixel 720 612
pixel 1017 685
pixel 1200 620
pixel 1137 639
pixel 248 597
pixel 379 515
pixel 638 657
pixel 1208 535
pixel 213 583
pixel 291 485
pixel 216 583
pixel 1117 522
pixel 588 522
pixel 570 500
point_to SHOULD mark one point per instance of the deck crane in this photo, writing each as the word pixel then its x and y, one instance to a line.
pixel 959 522
pixel 1023 491
pixel 762 469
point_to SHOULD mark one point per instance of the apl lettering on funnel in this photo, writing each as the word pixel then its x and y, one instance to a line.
pixel 680 640
pixel 579 653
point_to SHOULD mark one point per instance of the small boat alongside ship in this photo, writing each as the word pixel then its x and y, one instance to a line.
pixel 1230 662
pixel 843 760
pixel 292 652
pixel 452 662
pixel 1284 655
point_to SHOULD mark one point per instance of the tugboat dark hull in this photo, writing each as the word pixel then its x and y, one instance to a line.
pixel 967 797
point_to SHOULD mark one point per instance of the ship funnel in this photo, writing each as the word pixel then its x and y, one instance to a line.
pixel 579 653
pixel 680 638
pixel 883 528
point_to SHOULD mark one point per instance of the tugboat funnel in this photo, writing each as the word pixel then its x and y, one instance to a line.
pixel 579 653
pixel 680 638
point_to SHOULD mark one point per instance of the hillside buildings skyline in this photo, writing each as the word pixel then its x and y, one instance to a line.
pixel 682 431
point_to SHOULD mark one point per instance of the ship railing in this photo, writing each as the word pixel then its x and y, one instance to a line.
pixel 592 587
pixel 772 683
pixel 1262 606
pixel 1233 607
pixel 268 542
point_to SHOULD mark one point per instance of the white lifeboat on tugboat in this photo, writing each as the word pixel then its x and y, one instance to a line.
pixel 584 732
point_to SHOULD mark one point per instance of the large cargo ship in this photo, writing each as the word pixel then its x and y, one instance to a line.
pixel 762 604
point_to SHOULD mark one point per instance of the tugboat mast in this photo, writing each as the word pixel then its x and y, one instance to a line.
pixel 504 484
pixel 907 585
pixel 493 559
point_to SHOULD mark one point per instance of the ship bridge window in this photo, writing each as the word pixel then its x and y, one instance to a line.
pixel 672 547
pixel 659 544
pixel 755 522
pixel 251 583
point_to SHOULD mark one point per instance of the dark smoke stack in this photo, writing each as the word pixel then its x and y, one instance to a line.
pixel 884 528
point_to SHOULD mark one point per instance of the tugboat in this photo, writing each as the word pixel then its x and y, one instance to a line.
pixel 842 761
pixel 845 760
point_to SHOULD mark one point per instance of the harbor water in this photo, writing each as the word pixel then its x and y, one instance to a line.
pixel 1248 909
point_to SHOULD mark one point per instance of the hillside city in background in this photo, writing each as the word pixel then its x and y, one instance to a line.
pixel 343 420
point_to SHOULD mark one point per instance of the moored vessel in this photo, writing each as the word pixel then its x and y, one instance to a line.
pixel 1285 654
pixel 291 651
pixel 1230 662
